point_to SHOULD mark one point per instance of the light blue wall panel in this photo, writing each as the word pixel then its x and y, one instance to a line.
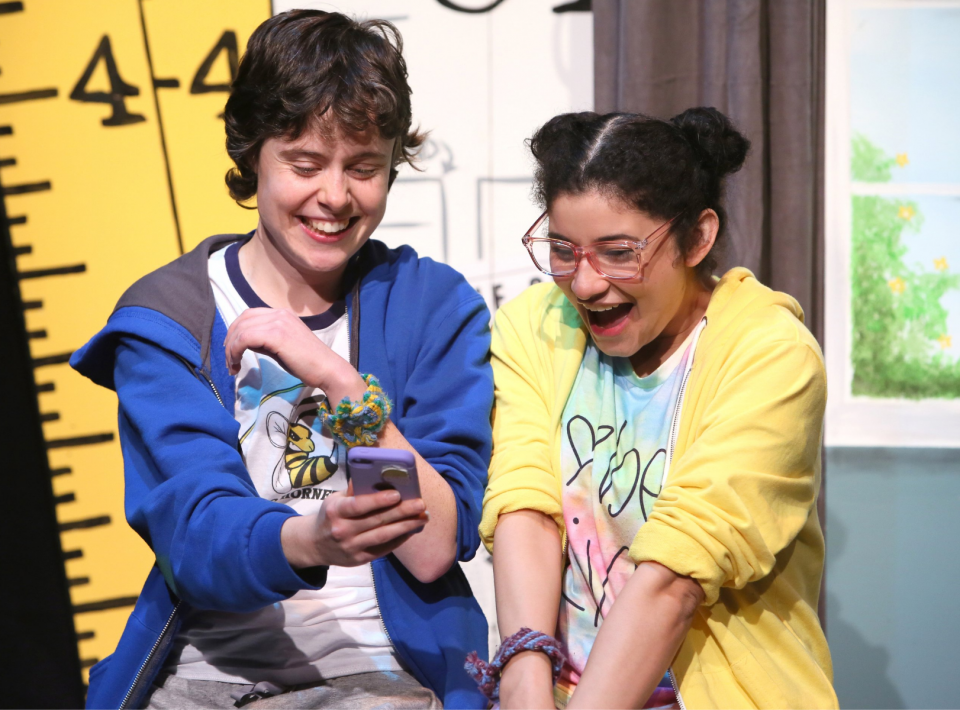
pixel 893 576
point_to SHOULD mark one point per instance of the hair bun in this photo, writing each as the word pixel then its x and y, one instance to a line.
pixel 720 146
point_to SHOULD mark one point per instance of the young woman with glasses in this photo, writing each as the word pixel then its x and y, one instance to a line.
pixel 652 495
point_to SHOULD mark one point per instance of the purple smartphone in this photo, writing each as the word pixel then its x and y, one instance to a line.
pixel 374 469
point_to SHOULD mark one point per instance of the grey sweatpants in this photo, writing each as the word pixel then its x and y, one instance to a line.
pixel 387 690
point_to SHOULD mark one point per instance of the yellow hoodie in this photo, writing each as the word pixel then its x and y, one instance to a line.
pixel 737 511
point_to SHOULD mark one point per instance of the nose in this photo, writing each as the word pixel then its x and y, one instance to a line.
pixel 333 192
pixel 587 283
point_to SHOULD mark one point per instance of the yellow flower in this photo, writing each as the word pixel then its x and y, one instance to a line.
pixel 941 264
pixel 906 212
pixel 945 341
pixel 897 285
pixel 902 159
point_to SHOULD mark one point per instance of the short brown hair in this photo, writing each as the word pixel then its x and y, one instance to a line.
pixel 304 64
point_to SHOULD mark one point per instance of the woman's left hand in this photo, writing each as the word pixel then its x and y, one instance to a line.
pixel 279 333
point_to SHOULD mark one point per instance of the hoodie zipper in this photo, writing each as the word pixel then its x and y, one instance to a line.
pixel 213 387
pixel 675 424
pixel 166 626
pixel 676 688
pixel 671 447
pixel 376 595
pixel 146 661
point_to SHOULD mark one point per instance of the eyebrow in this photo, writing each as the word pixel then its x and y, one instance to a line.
pixel 299 153
pixel 608 238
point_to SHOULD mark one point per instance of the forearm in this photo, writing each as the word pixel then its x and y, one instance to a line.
pixel 657 607
pixel 431 552
pixel 527 569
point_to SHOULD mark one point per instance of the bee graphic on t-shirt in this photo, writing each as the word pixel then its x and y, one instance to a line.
pixel 300 465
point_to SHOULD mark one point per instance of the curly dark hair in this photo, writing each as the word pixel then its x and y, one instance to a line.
pixel 663 168
pixel 304 64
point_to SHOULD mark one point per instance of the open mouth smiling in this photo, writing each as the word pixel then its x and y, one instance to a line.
pixel 607 320
pixel 325 230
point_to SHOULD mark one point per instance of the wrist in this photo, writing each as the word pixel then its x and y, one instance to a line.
pixel 340 380
pixel 527 681
pixel 298 537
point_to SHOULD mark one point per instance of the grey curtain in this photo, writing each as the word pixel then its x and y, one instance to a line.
pixel 761 63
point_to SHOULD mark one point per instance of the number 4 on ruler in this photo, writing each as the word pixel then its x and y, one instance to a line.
pixel 118 88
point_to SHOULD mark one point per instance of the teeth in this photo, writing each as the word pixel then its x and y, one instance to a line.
pixel 326 227
pixel 601 309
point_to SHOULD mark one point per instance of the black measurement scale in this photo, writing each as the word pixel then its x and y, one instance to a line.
pixel 111 164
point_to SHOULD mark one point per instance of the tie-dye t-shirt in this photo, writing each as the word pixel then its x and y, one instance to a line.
pixel 616 430
pixel 292 459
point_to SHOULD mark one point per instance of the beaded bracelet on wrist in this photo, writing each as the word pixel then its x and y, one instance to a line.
pixel 358 423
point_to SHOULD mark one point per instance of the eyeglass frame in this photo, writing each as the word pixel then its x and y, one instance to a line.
pixel 638 246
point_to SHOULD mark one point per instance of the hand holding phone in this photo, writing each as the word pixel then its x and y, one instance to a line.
pixel 351 530
pixel 373 469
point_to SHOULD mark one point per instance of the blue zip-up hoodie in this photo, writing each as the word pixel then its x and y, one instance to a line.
pixel 424 333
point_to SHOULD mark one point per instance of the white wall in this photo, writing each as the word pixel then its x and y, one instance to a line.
pixel 482 83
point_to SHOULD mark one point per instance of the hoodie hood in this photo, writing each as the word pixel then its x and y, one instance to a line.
pixel 181 292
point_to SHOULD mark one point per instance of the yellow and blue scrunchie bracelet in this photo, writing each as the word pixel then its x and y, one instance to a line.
pixel 358 423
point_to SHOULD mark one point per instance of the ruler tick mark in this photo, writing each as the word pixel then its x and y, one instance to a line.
pixel 46 387
pixel 36 334
pixel 60 471
pixel 51 360
pixel 14 221
pixel 73 554
pixel 9 7
pixel 77 581
pixel 85 635
pixel 26 187
pixel 49 416
pixel 54 271
pixel 117 603
pixel 7 162
pixel 20 251
pixel 28 96
pixel 79 441
pixel 85 523
pixel 65 498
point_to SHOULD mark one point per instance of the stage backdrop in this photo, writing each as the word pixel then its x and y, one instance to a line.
pixel 113 164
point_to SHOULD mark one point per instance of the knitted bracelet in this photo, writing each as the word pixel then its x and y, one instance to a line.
pixel 358 423
pixel 487 675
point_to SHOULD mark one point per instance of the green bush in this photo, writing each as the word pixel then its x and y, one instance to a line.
pixel 897 316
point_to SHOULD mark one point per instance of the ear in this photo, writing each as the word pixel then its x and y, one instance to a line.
pixel 706 228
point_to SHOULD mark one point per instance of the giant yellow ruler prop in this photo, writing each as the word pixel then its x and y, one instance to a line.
pixel 112 152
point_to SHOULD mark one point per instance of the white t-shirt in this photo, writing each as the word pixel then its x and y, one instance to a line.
pixel 331 632
pixel 614 456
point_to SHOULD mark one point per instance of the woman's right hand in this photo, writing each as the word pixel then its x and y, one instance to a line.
pixel 351 530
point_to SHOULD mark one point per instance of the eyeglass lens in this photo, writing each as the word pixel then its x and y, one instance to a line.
pixel 561 260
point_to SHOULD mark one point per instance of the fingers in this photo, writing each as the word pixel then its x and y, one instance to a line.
pixel 247 332
pixel 359 506
pixel 386 538
pixel 361 513
pixel 277 332
pixel 378 524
